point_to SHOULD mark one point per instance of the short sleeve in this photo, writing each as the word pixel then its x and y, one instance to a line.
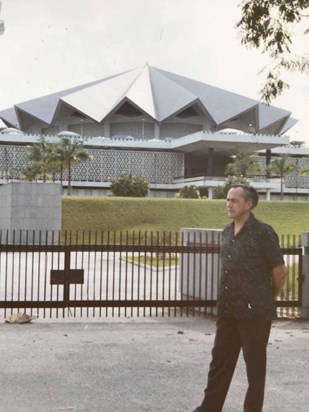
pixel 271 247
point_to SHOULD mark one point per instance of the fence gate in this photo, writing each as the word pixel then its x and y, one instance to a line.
pixel 118 274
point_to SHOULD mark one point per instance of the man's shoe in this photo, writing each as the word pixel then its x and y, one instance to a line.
pixel 198 409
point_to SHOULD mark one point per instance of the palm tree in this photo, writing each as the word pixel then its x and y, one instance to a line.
pixel 38 156
pixel 55 161
pixel 31 172
pixel 70 152
pixel 242 164
pixel 281 167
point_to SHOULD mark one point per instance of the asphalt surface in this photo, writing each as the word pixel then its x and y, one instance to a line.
pixel 141 364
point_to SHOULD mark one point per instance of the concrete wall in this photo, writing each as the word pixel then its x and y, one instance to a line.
pixel 30 206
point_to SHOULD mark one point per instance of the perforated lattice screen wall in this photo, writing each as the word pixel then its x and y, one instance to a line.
pixel 157 167
pixel 295 178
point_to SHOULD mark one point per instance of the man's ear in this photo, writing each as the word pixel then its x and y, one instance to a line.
pixel 250 204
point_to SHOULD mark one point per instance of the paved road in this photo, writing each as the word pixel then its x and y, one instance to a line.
pixel 137 365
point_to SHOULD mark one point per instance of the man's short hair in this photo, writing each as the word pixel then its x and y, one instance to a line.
pixel 249 193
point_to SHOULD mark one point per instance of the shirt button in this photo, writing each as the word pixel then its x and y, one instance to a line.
pixel 229 256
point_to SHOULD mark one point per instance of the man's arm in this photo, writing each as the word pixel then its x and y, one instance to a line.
pixel 279 276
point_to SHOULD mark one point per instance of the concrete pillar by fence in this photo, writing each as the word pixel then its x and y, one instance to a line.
pixel 268 193
pixel 210 193
pixel 305 286
pixel 28 208
pixel 194 266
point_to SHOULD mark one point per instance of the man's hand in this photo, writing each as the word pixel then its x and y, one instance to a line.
pixel 279 276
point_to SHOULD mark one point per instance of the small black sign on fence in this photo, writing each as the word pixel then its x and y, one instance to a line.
pixel 60 277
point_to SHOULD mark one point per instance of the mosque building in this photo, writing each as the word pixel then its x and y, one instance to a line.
pixel 171 129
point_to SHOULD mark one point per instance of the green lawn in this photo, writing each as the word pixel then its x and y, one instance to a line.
pixel 154 260
pixel 149 214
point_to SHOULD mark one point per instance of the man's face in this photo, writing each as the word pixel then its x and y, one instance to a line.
pixel 237 206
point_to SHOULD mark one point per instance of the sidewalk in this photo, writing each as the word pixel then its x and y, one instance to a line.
pixel 137 365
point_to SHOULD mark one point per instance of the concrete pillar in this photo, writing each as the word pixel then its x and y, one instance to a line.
pixel 107 128
pixel 28 208
pixel 305 288
pixel 267 194
pixel 200 274
pixel 210 163
pixel 156 131
pixel 268 160
pixel 210 193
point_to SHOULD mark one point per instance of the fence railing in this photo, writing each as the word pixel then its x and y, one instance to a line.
pixel 55 274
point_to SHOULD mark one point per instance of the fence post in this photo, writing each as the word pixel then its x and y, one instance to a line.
pixel 305 275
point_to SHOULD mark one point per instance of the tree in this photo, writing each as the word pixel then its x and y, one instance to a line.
pixel 55 161
pixel 189 192
pixel 220 192
pixel 70 152
pixel 130 186
pixel 242 164
pixel 269 25
pixel 1 23
pixel 31 172
pixel 46 159
pixel 281 167
pixel 38 157
pixel 297 143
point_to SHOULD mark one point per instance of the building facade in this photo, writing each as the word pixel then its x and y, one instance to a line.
pixel 166 127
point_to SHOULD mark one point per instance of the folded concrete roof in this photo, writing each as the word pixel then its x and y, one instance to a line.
pixel 157 93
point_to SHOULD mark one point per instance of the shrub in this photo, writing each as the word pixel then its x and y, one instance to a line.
pixel 189 192
pixel 220 192
pixel 130 186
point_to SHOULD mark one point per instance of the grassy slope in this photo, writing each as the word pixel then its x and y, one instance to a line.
pixel 115 213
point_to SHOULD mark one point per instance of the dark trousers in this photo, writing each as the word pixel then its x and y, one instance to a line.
pixel 232 335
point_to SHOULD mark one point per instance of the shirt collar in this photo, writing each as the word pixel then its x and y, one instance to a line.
pixel 248 224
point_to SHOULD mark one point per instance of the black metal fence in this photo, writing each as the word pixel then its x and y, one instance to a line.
pixel 51 274
pixel 290 300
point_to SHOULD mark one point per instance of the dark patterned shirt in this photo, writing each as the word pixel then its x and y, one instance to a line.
pixel 247 262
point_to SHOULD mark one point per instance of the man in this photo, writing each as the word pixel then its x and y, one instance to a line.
pixel 253 274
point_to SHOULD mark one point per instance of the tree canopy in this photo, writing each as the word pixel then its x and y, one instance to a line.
pixel 71 152
pixel 243 164
pixel 221 191
pixel 270 25
pixel 38 158
pixel 281 166
pixel 45 159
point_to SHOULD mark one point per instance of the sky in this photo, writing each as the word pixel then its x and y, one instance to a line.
pixel 52 45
